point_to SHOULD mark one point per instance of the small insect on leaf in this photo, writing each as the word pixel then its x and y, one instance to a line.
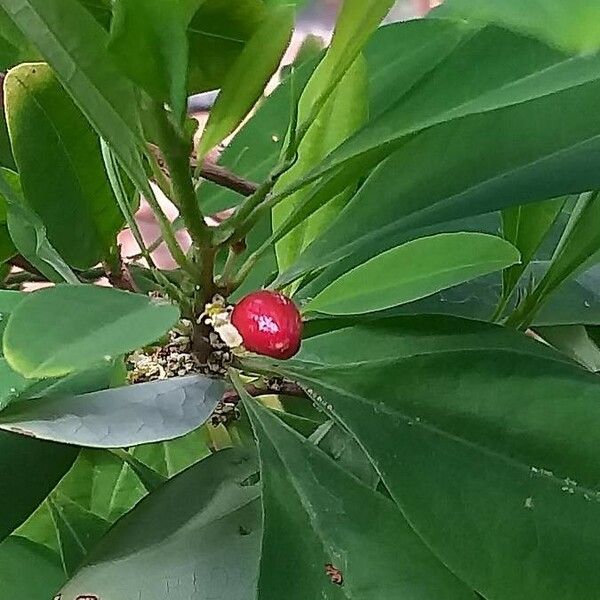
pixel 334 574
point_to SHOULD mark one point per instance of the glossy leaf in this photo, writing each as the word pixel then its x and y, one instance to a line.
pixel 525 227
pixel 121 417
pixel 30 469
pixel 552 159
pixel 356 22
pixel 28 571
pixel 573 26
pixel 149 41
pixel 63 329
pixel 74 44
pixel 11 384
pixel 497 475
pixel 248 76
pixel 573 341
pixel 197 535
pixel 343 524
pixel 414 270
pixel 576 248
pixel 60 166
pixel 343 113
pixel 217 35
pixel 29 234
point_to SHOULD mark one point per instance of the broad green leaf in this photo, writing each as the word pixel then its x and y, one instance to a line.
pixel 11 384
pixel 497 436
pixel 248 76
pixel 8 302
pixel 525 227
pixel 29 234
pixel 316 515
pixel 539 103
pixel 217 35
pixel 60 166
pixel 77 530
pixel 415 270
pixel 170 458
pixel 120 417
pixel 74 44
pixel 59 330
pixel 577 247
pixel 572 25
pixel 343 113
pixel 99 483
pixel 150 43
pixel 28 571
pixel 346 452
pixel 198 535
pixel 30 469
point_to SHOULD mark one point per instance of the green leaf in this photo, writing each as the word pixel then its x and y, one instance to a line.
pixel 319 515
pixel 414 270
pixel 573 26
pixel 149 41
pixel 343 113
pixel 74 44
pixel 28 571
pixel 98 484
pixel 60 166
pixel 9 300
pixel 29 234
pixel 217 35
pixel 577 247
pixel 248 76
pixel 121 417
pixel 30 469
pixel 197 535
pixel 63 329
pixel 11 384
pixel 525 227
pixel 539 104
pixel 497 472
pixel 357 21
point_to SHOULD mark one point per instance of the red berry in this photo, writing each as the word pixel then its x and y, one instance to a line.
pixel 269 324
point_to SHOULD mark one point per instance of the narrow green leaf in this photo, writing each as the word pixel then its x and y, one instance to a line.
pixel 247 78
pixel 30 469
pixel 320 516
pixel 343 113
pixel 415 270
pixel 60 166
pixel 199 535
pixel 525 227
pixel 149 40
pixel 59 330
pixel 29 234
pixel 573 341
pixel 74 44
pixel 218 34
pixel 357 21
pixel 120 417
pixel 497 471
pixel 573 26
pixel 577 247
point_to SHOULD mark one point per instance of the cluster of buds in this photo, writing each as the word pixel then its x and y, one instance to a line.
pixel 172 359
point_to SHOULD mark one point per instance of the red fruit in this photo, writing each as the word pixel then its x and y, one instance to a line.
pixel 269 324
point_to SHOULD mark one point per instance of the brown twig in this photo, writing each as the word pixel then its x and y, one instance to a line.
pixel 120 277
pixel 225 178
pixel 215 173
pixel 272 386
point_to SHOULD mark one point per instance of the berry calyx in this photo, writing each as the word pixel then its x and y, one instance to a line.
pixel 269 323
